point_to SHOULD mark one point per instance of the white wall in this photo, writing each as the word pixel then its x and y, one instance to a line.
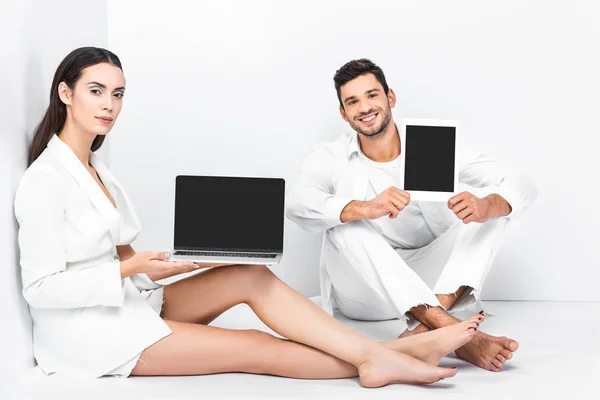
pixel 15 342
pixel 38 35
pixel 245 88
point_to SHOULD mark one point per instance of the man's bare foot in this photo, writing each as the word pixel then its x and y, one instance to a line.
pixel 431 346
pixel 488 352
pixel 388 366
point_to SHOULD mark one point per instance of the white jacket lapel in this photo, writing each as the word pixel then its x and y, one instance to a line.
pixel 130 224
pixel 87 183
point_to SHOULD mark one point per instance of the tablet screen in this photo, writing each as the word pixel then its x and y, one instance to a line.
pixel 429 159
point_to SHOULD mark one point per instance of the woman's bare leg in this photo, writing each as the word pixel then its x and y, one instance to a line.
pixel 200 299
pixel 194 349
pixel 292 316
pixel 187 349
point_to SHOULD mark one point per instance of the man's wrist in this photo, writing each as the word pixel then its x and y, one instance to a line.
pixel 353 211
pixel 498 206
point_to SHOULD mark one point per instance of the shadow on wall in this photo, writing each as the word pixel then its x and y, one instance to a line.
pixel 26 103
pixel 33 107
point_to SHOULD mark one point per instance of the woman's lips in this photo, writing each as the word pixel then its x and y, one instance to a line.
pixel 104 120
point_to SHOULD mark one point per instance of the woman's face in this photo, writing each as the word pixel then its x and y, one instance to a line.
pixel 96 100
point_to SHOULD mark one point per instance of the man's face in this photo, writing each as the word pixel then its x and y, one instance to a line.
pixel 366 106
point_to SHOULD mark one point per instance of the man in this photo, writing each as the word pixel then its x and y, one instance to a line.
pixel 386 257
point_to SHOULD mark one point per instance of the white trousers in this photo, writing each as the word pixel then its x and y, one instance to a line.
pixel 374 281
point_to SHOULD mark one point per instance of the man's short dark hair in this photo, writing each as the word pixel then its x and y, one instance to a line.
pixel 355 68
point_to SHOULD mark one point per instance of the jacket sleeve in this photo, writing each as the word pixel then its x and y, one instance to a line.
pixel 312 203
pixel 40 206
pixel 482 171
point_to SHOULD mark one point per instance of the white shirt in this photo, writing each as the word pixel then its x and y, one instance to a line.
pixel 333 175
pixel 86 319
pixel 408 230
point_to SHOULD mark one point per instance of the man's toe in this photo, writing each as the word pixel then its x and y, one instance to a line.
pixel 509 344
pixel 507 354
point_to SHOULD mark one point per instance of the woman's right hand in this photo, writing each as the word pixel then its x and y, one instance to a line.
pixel 155 265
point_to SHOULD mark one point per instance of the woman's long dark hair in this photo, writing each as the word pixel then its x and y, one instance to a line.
pixel 69 71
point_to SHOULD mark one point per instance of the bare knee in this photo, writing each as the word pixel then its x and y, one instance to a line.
pixel 257 274
pixel 256 279
pixel 258 337
pixel 261 345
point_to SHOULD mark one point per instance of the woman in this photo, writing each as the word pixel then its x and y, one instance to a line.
pixel 96 307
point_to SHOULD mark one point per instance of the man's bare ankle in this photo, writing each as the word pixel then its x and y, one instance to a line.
pixel 448 300
pixel 435 318
pixel 429 316
pixel 421 328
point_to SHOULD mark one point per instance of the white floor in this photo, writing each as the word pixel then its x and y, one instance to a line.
pixel 559 356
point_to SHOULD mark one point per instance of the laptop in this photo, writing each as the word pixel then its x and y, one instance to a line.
pixel 428 160
pixel 228 220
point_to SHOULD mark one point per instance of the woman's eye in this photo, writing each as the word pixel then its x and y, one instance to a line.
pixel 119 95
pixel 96 91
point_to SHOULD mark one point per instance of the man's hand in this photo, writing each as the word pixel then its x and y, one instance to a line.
pixel 470 208
pixel 389 202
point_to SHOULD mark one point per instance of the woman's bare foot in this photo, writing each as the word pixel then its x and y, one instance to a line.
pixel 419 329
pixel 487 351
pixel 431 346
pixel 388 366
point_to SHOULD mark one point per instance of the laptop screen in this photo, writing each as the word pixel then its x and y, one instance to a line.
pixel 429 158
pixel 229 214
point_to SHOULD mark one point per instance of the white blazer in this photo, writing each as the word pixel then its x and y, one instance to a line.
pixel 332 176
pixel 86 319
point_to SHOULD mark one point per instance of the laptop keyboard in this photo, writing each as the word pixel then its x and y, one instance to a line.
pixel 222 254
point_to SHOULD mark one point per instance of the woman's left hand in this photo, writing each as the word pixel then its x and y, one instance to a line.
pixel 211 265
